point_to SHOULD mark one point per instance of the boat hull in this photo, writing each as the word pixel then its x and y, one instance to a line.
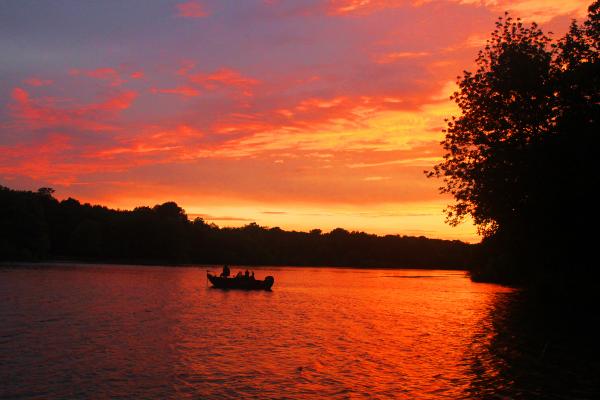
pixel 240 283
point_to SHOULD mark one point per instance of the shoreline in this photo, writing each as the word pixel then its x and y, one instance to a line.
pixel 66 263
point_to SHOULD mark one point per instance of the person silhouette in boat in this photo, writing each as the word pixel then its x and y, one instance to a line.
pixel 247 274
pixel 226 272
pixel 252 276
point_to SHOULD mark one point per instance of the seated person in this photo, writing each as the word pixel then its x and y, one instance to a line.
pixel 226 271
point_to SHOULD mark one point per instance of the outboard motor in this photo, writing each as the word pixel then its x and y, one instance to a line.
pixel 269 281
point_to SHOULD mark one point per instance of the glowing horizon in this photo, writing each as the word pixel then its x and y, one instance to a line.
pixel 302 115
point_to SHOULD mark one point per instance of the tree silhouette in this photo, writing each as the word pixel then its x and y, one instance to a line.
pixel 36 226
pixel 519 159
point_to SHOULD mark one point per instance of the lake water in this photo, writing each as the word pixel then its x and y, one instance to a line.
pixel 98 331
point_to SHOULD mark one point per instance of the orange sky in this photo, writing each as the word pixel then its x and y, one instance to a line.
pixel 297 114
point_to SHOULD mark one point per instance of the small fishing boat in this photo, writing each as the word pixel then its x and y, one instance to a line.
pixel 240 282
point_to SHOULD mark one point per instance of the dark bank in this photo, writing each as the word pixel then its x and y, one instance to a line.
pixel 37 227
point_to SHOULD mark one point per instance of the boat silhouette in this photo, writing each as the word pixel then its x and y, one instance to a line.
pixel 240 282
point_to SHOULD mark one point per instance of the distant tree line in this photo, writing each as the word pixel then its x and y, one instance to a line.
pixel 521 159
pixel 35 226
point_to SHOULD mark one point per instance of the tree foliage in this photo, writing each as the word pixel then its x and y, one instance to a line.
pixel 519 160
pixel 36 226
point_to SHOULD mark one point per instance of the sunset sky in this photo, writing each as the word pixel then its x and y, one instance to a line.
pixel 297 114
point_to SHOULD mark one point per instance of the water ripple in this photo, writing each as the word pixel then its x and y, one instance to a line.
pixel 148 332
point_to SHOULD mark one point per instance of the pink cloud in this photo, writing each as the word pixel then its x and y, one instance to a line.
pixel 540 11
pixel 110 75
pixel 185 91
pixel 362 7
pixel 58 160
pixel 46 113
pixel 119 102
pixel 391 57
pixel 224 77
pixel 36 160
pixel 191 9
pixel 37 82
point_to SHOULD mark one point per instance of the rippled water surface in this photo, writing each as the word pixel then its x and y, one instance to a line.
pixel 161 332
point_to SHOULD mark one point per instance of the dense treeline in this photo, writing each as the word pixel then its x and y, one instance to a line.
pixel 37 226
pixel 521 158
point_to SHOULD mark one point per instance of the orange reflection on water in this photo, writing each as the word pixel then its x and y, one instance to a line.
pixel 346 333
pixel 321 332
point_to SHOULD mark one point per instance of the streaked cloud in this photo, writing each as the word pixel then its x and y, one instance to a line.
pixel 110 75
pixel 542 11
pixel 399 55
pixel 223 78
pixel 37 82
pixel 362 7
pixel 191 9
pixel 211 218
pixel 376 178
pixel 180 90
pixel 50 112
